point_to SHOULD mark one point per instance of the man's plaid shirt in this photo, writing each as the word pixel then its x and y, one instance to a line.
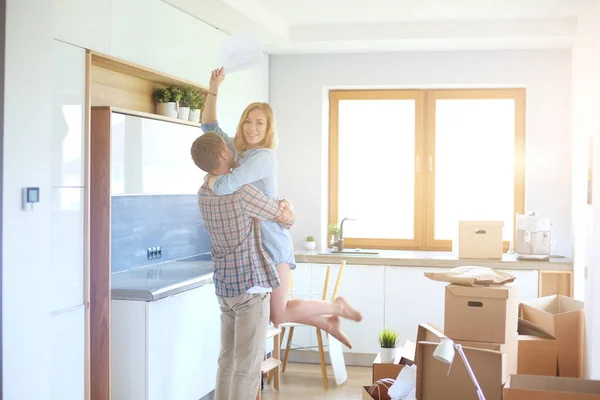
pixel 233 224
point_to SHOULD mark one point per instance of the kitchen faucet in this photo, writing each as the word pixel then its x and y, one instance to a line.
pixel 340 242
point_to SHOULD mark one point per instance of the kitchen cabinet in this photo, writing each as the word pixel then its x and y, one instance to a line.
pixel 363 287
pixel 85 23
pixel 150 156
pixel 67 348
pixel 166 349
pixel 68 112
pixel 194 343
pixel 149 40
pixel 67 170
pixel 412 299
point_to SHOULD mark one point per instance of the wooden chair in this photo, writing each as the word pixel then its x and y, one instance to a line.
pixel 271 366
pixel 290 326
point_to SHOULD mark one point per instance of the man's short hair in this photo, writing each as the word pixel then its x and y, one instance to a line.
pixel 206 151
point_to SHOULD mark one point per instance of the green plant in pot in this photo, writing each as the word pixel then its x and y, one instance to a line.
pixel 185 103
pixel 309 243
pixel 388 339
pixel 196 105
pixel 333 234
pixel 165 104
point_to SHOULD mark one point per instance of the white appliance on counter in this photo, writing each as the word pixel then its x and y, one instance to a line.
pixel 533 237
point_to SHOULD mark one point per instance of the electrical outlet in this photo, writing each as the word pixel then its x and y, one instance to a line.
pixel 153 253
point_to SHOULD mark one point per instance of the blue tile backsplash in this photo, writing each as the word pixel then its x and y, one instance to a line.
pixel 172 222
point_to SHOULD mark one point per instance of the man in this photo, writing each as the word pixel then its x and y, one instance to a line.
pixel 244 273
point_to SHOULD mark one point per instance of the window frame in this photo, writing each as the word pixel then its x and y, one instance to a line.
pixel 424 201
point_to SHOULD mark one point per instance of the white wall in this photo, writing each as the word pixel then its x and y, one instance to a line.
pixel 586 124
pixel 149 32
pixel 297 94
pixel 27 134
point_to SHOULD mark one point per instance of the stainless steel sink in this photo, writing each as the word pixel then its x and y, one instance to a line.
pixel 349 252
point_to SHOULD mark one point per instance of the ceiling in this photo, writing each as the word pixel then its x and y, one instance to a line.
pixel 326 26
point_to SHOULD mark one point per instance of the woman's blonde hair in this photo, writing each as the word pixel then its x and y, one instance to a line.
pixel 270 139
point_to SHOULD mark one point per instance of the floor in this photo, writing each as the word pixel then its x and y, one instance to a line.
pixel 304 382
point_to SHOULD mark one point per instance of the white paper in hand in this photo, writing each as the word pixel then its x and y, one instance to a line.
pixel 241 52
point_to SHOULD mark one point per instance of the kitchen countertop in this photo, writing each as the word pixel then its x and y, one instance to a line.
pixel 440 259
pixel 155 282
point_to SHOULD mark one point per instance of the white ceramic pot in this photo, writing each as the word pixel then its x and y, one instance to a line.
pixel 183 113
pixel 168 109
pixel 387 355
pixel 194 116
pixel 310 245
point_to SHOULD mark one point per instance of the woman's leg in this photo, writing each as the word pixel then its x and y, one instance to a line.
pixel 309 312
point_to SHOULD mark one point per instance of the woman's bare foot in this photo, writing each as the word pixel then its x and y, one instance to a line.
pixel 335 330
pixel 346 310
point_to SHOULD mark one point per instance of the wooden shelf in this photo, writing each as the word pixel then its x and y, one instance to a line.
pixel 269 365
pixel 272 331
pixel 114 64
pixel 129 87
pixel 134 113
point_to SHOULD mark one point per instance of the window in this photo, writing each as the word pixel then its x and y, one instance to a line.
pixel 407 165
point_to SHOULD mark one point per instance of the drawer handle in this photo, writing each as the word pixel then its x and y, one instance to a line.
pixel 475 304
pixel 480 231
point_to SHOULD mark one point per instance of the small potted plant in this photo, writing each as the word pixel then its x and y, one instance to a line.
pixel 196 105
pixel 333 234
pixel 309 243
pixel 164 102
pixel 184 104
pixel 387 342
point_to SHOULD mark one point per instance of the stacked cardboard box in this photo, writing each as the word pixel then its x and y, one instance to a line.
pixel 484 321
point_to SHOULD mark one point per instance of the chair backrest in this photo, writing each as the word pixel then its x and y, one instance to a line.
pixel 338 280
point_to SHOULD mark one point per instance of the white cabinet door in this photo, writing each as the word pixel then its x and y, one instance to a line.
pixel 194 343
pixel 66 249
pixel 412 299
pixel 528 283
pixel 146 157
pixel 85 23
pixel 158 336
pixel 363 287
pixel 68 111
pixel 67 347
pixel 164 38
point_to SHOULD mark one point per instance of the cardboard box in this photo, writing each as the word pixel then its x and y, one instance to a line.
pixel 479 239
pixel 434 382
pixel 481 314
pixel 365 393
pixel 537 356
pixel 427 333
pixel 510 348
pixel 560 317
pixel 404 356
pixel 530 387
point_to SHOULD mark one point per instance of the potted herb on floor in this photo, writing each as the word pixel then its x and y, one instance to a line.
pixel 196 105
pixel 184 104
pixel 387 341
pixel 309 243
pixel 164 102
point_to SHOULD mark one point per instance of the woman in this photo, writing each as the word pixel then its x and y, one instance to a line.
pixel 253 145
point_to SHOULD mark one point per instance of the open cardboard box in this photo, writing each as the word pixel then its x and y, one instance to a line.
pixel 405 355
pixel 534 387
pixel 560 317
pixel 434 383
pixel 538 351
pixel 492 364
